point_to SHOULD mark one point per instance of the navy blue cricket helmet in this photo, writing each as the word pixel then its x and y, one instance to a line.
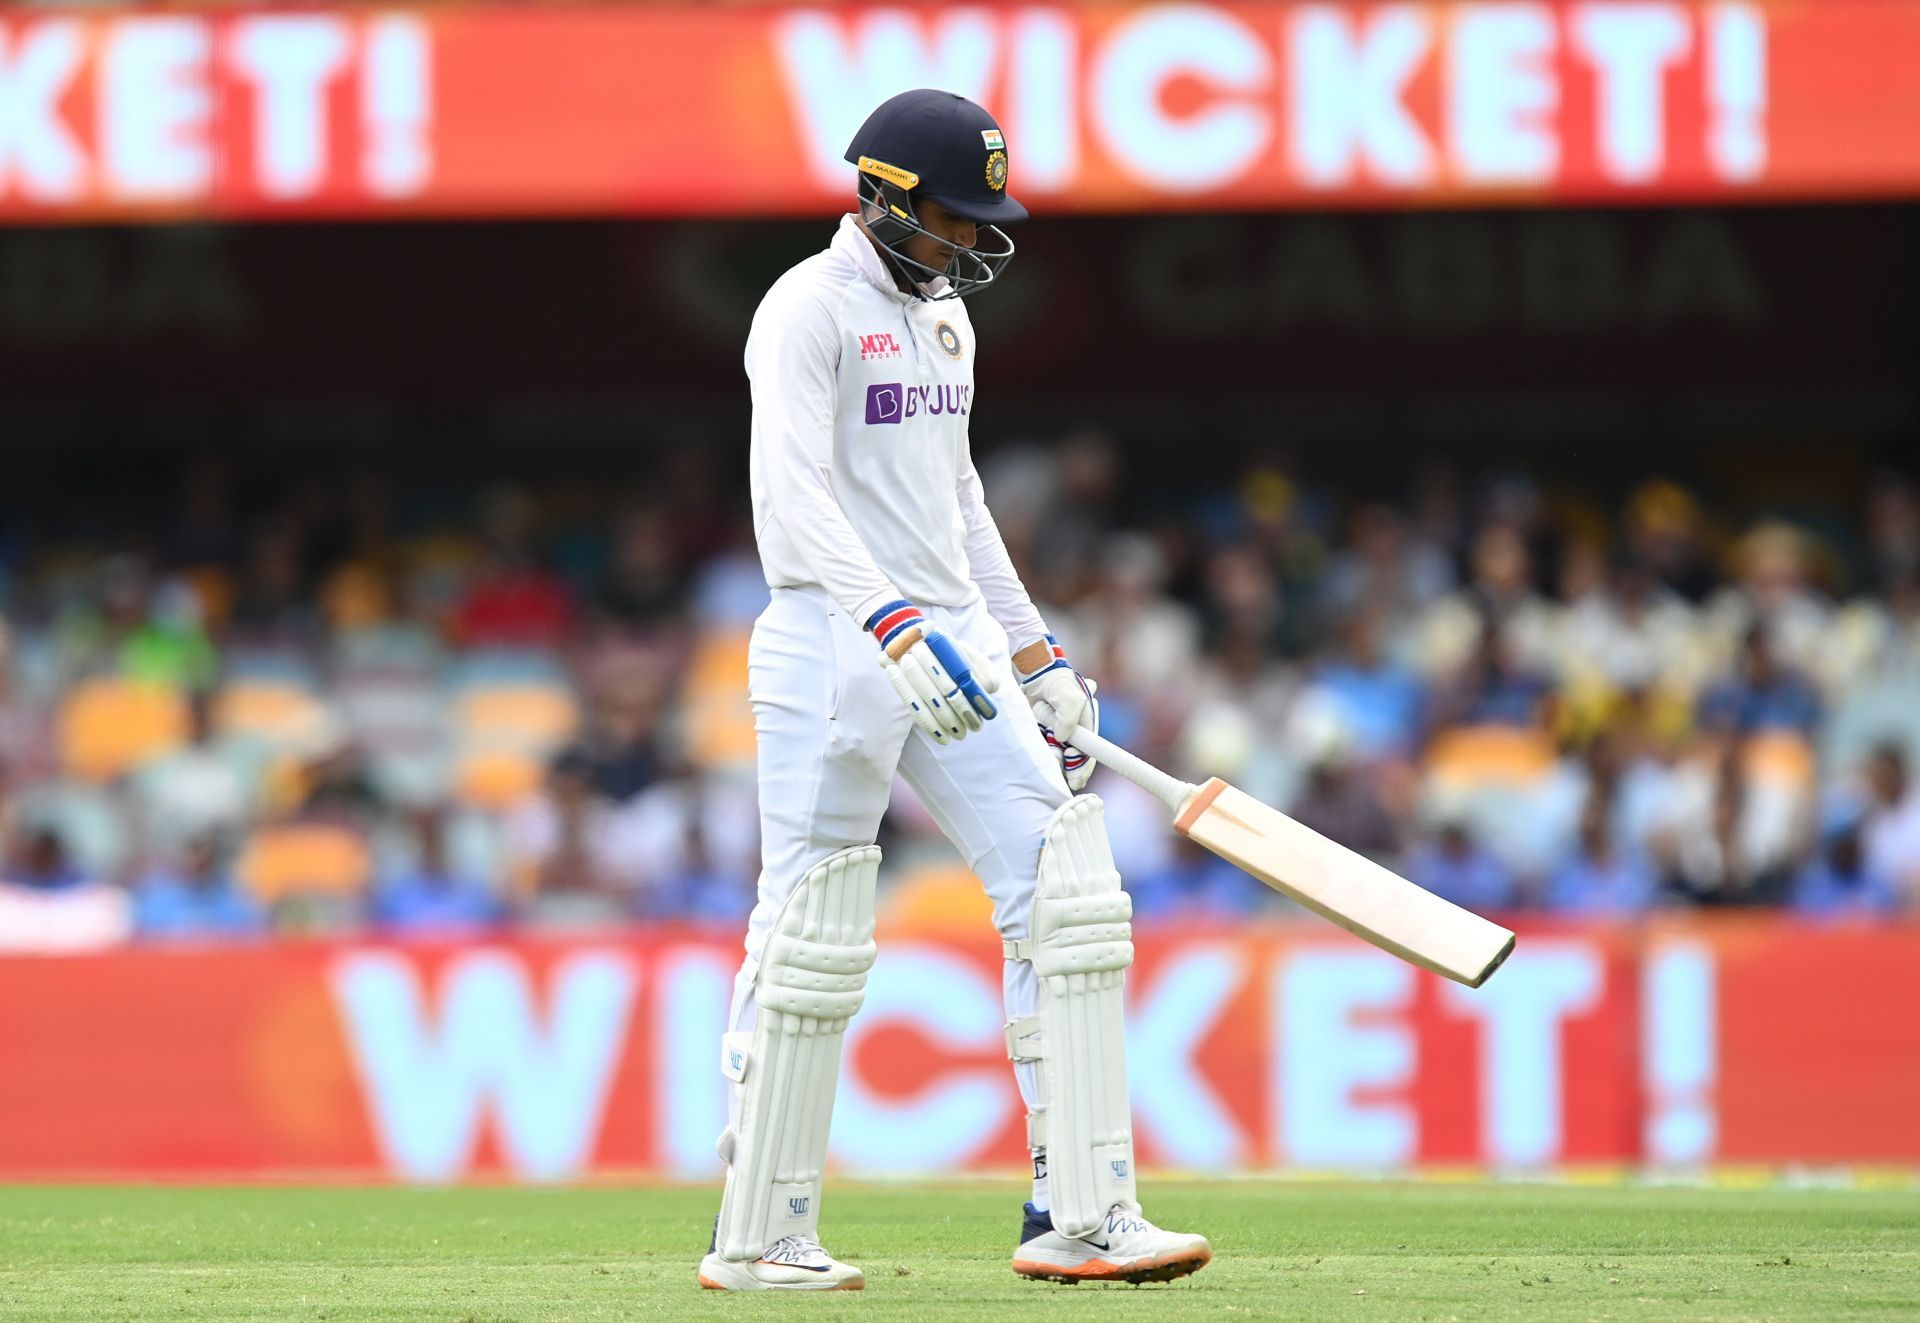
pixel 939 146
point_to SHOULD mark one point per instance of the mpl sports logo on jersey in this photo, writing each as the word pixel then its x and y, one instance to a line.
pixel 891 401
pixel 882 345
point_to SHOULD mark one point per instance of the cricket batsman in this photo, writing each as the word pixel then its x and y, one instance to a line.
pixel 900 639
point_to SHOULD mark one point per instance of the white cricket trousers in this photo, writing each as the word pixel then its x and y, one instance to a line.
pixel 832 733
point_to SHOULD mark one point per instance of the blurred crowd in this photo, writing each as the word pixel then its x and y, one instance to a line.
pixel 333 707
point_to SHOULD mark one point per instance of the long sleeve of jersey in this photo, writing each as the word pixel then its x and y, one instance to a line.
pixel 990 567
pixel 792 360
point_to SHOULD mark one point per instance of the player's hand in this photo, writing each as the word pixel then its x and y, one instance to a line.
pixel 944 681
pixel 1063 700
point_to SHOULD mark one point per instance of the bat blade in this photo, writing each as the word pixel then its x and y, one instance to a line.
pixel 1343 886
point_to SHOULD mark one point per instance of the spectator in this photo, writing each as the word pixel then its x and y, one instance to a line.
pixel 1893 530
pixel 1890 834
pixel 42 863
pixel 1501 597
pixel 617 753
pixel 1494 687
pixel 47 904
pixel 1877 637
pixel 26 728
pixel 646 584
pixel 275 607
pixel 576 875
pixel 516 601
pixel 131 629
pixel 1775 590
pixel 195 897
pixel 1714 848
pixel 1375 699
pixel 694 885
pixel 1383 571
pixel 1662 525
pixel 1453 865
pixel 1341 802
pixel 1634 633
pixel 1196 883
pixel 1601 879
pixel 428 895
pixel 1762 695
pixel 1839 882
pixel 1238 672
pixel 1077 516
pixel 1244 601
pixel 192 790
pixel 1146 641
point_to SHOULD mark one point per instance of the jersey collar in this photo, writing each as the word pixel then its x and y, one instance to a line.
pixel 853 241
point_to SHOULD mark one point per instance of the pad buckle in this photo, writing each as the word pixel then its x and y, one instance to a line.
pixel 1023 1039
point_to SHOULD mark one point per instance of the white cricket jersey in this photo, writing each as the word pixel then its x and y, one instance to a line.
pixel 863 482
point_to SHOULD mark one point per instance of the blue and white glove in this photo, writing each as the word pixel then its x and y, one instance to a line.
pixel 933 674
pixel 1062 700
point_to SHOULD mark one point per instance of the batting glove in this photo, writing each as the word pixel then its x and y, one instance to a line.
pixel 1063 700
pixel 944 681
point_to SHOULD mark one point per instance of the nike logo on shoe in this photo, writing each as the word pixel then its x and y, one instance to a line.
pixel 1097 1244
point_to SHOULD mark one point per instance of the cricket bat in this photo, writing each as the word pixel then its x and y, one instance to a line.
pixel 1334 882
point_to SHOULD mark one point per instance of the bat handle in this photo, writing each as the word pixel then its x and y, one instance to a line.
pixel 1169 790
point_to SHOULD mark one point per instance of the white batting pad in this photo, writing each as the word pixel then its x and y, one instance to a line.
pixel 1081 946
pixel 810 982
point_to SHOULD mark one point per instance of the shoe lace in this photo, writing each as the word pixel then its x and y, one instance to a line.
pixel 802 1251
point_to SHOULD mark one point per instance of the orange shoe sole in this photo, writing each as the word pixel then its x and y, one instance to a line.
pixel 1163 1269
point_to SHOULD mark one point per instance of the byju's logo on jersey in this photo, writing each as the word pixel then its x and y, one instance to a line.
pixel 886 403
pixel 882 345
pixel 890 401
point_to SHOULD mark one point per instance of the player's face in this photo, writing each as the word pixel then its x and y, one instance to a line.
pixel 946 231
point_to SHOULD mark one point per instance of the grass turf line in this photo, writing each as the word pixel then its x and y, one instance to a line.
pixel 1311 1252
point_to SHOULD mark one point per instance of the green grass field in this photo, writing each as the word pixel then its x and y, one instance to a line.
pixel 1300 1251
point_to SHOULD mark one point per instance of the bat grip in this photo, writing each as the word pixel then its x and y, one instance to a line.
pixel 1168 789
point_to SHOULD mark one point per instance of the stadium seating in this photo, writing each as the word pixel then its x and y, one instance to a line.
pixel 107 727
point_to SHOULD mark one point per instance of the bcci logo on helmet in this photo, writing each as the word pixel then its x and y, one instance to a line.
pixel 997 171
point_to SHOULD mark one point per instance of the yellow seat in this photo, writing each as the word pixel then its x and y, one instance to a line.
pixel 307 859
pixel 719 720
pixel 529 716
pixel 1471 756
pixel 942 899
pixel 1778 757
pixel 106 727
pixel 496 778
pixel 273 712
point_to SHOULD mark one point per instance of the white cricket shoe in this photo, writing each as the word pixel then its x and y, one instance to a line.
pixel 792 1263
pixel 1126 1248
